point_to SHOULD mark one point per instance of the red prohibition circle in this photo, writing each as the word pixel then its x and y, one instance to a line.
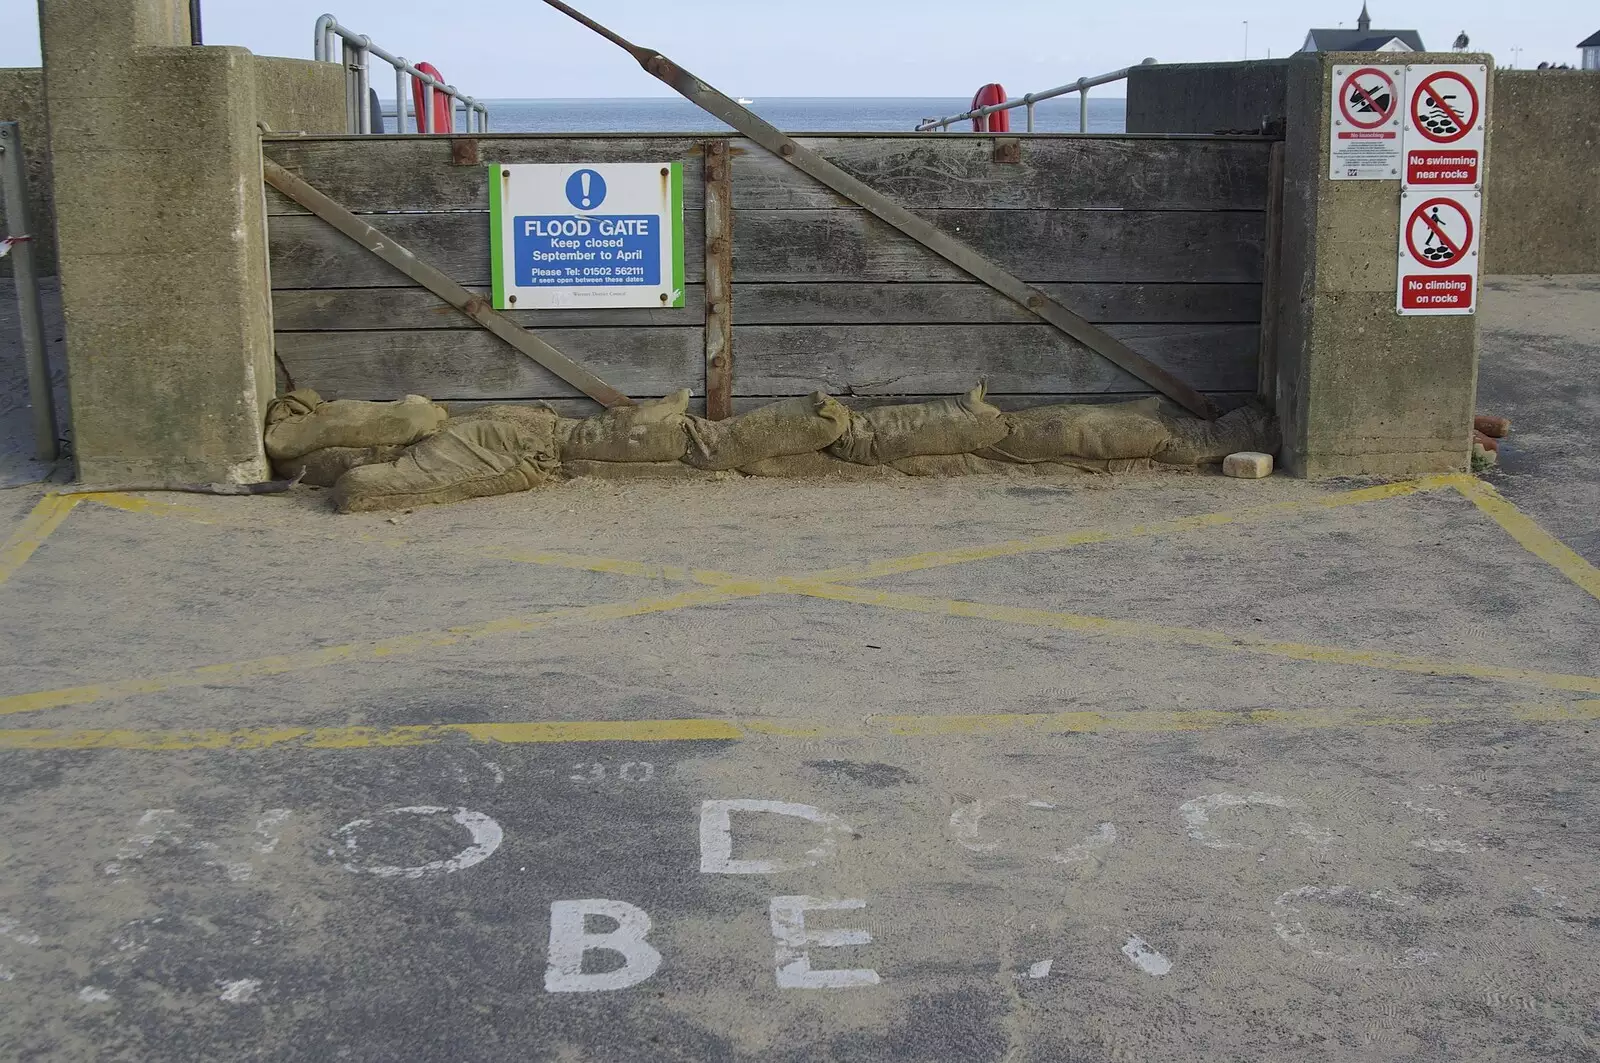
pixel 1463 127
pixel 1344 98
pixel 1420 214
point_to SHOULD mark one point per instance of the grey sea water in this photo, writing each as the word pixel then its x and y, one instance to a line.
pixel 795 114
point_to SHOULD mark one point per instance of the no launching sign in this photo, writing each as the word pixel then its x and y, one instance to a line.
pixel 1444 126
pixel 1364 127
pixel 1439 237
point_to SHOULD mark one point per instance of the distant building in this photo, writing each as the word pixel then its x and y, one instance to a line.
pixel 1365 39
pixel 1591 52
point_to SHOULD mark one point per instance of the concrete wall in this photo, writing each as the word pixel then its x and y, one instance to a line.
pixel 22 100
pixel 1543 196
pixel 1360 389
pixel 1208 97
pixel 299 95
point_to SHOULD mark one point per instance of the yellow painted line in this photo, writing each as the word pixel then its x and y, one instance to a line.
pixel 35 528
pixel 1534 539
pixel 359 652
pixel 611 565
pixel 1082 537
pixel 149 506
pixel 1185 636
pixel 714 730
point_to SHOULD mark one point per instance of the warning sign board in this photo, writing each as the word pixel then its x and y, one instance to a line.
pixel 1444 122
pixel 1364 126
pixel 1439 239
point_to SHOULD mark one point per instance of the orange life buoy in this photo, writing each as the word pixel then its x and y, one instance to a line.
pixel 999 121
pixel 443 108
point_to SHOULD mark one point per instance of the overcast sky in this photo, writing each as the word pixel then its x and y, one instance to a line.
pixel 521 48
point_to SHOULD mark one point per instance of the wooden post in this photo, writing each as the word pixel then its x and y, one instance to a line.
pixel 1267 371
pixel 719 280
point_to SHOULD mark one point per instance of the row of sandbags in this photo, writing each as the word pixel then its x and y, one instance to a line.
pixel 409 453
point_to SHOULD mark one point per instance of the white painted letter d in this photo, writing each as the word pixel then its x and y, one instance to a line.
pixel 716 836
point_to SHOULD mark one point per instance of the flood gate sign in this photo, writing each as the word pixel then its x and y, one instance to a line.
pixel 1444 121
pixel 1440 232
pixel 1364 126
pixel 586 235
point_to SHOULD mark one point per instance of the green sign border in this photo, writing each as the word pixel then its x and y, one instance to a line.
pixel 497 264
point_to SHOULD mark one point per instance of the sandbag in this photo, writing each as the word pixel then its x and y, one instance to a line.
pixel 300 422
pixel 958 425
pixel 1106 431
pixel 818 466
pixel 535 416
pixel 638 470
pixel 794 426
pixel 649 431
pixel 1195 441
pixel 322 468
pixel 466 460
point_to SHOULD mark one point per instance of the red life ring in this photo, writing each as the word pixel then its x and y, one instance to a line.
pixel 443 109
pixel 999 121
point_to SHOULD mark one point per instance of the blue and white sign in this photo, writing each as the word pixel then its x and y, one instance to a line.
pixel 573 236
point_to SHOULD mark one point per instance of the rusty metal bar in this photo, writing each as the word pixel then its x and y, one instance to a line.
pixel 474 306
pixel 719 280
pixel 923 232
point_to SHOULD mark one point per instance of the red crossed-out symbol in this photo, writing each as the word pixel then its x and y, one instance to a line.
pixel 1428 217
pixel 1351 92
pixel 1431 108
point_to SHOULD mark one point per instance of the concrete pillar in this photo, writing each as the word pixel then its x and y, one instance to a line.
pixel 161 240
pixel 1361 390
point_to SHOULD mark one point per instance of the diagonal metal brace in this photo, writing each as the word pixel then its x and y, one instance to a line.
pixel 474 306
pixel 923 232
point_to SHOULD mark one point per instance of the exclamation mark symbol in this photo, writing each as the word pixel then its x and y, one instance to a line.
pixel 583 178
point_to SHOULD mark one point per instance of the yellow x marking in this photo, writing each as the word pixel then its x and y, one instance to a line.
pixel 834 585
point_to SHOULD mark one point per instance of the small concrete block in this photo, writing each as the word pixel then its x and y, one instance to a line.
pixel 1247 465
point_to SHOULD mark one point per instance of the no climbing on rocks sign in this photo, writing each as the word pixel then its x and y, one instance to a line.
pixel 1364 127
pixel 1439 236
pixel 1444 126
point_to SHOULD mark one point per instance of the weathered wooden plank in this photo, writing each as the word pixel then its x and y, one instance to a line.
pixel 944 359
pixel 336 309
pixel 306 253
pixel 476 365
pixel 416 173
pixel 923 172
pixel 773 359
pixel 361 309
pixel 835 245
pixel 1056 173
pixel 1223 400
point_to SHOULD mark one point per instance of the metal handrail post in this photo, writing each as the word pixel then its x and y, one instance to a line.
pixel 1083 105
pixel 400 97
pixel 363 88
pixel 426 125
pixel 14 198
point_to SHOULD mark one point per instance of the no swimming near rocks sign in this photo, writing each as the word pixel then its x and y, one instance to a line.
pixel 586 235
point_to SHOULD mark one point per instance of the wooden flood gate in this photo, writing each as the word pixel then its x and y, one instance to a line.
pixel 1158 239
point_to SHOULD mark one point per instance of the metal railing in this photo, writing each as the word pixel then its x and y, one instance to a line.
pixel 18 243
pixel 357 50
pixel 1081 87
